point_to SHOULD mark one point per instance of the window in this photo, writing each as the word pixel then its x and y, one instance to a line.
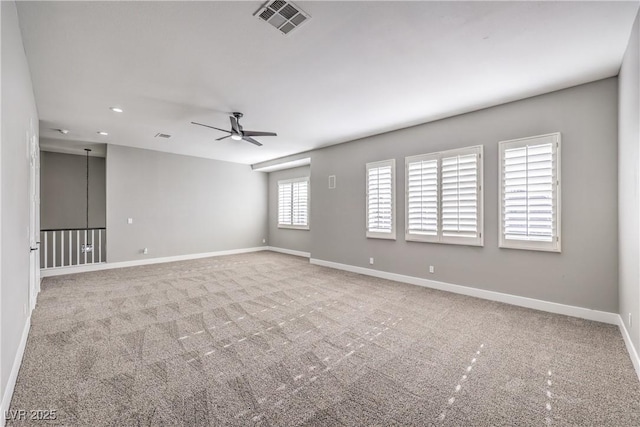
pixel 530 193
pixel 444 197
pixel 380 199
pixel 293 203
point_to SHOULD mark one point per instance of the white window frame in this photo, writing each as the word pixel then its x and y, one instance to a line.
pixel 379 235
pixel 292 181
pixel 478 150
pixel 555 244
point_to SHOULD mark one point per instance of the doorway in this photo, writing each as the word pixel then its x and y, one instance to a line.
pixel 34 215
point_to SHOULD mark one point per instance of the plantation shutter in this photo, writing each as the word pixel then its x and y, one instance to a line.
pixel 460 196
pixel 380 204
pixel 284 203
pixel 299 202
pixel 530 192
pixel 422 197
pixel 444 197
pixel 293 203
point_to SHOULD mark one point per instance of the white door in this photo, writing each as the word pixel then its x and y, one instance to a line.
pixel 34 215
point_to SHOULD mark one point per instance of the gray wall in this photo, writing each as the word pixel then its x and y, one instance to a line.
pixel 181 205
pixel 585 274
pixel 63 191
pixel 286 238
pixel 19 118
pixel 629 181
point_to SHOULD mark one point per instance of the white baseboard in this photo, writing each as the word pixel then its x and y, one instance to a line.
pixel 58 271
pixel 290 252
pixel 13 375
pixel 633 354
pixel 536 304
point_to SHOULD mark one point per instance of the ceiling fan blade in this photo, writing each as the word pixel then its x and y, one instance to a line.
pixel 234 124
pixel 211 127
pixel 224 137
pixel 251 140
pixel 256 133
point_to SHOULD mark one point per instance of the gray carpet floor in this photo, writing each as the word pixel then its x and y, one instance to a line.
pixel 268 339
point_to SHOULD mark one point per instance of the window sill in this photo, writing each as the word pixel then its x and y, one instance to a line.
pixel 528 247
pixel 448 241
pixel 381 236
pixel 294 227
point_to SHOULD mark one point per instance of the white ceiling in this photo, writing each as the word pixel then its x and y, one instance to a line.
pixel 355 69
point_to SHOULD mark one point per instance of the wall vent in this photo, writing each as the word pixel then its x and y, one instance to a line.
pixel 163 135
pixel 282 15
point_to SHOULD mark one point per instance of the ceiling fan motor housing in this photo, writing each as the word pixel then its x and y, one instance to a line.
pixel 237 133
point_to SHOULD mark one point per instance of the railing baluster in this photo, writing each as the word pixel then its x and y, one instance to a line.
pixel 100 245
pixel 93 247
pixel 85 246
pixel 62 249
pixel 70 249
pixel 77 247
pixel 46 247
pixel 54 249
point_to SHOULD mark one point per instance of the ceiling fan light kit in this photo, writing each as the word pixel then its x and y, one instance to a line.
pixel 237 133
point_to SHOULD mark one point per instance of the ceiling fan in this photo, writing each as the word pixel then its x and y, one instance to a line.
pixel 237 133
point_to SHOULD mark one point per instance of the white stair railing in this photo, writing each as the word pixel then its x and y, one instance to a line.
pixel 64 247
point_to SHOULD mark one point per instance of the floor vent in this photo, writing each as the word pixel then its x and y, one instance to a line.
pixel 282 15
pixel 162 135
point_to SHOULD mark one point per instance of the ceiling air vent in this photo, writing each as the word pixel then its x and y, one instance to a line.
pixel 163 135
pixel 282 15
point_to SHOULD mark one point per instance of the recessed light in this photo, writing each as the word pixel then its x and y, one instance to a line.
pixel 103 133
pixel 63 131
pixel 116 109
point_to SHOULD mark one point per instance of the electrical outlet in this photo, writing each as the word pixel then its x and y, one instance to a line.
pixel 129 220
pixel 630 320
pixel 264 240
pixel 432 269
pixel 371 260
pixel 145 251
